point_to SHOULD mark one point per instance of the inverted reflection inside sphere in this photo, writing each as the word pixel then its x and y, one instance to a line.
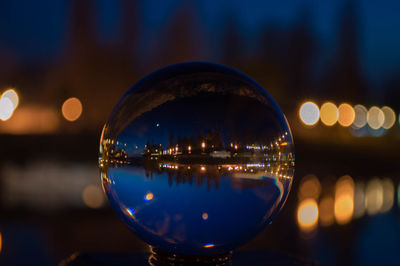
pixel 196 159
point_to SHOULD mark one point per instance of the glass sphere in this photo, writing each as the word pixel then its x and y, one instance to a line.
pixel 196 159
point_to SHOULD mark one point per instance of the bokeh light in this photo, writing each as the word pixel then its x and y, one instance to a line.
pixel 326 208
pixel 72 109
pixel 360 119
pixel 390 117
pixel 388 194
pixel 8 103
pixel 329 114
pixel 310 187
pixel 149 196
pixel 359 200
pixel 344 199
pixel 6 108
pixel 375 117
pixel 309 113
pixel 93 197
pixel 307 215
pixel 346 115
pixel 13 96
pixel 374 196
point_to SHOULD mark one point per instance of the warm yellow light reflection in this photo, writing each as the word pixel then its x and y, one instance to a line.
pixel 374 196
pixel 310 187
pixel 390 117
pixel 307 215
pixel 204 216
pixel 309 113
pixel 360 119
pixel 346 115
pixel 344 209
pixel 375 117
pixel 326 207
pixel 149 196
pixel 329 114
pixel 72 109
pixel 344 199
pixel 388 195
pixel 92 196
pixel 13 96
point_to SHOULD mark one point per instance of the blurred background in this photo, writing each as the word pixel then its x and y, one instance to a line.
pixel 332 66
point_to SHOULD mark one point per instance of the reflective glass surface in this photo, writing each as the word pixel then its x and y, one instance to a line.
pixel 196 159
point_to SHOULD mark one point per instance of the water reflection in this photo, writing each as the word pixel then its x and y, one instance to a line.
pixel 163 190
pixel 154 207
pixel 185 161
pixel 50 185
pixel 326 210
pixel 342 202
pixel 344 199
pixel 359 199
pixel 307 215
pixel 374 196
pixel 388 194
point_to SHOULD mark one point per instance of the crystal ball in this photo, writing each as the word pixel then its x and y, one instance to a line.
pixel 196 159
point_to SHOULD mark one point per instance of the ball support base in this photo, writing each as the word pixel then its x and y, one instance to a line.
pixel 158 258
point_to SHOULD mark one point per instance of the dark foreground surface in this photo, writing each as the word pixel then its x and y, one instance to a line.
pixel 239 259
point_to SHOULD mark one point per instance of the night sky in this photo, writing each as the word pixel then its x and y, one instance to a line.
pixel 35 30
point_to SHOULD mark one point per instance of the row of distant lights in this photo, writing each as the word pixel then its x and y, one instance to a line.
pixel 71 109
pixel 348 201
pixel 230 168
pixel 347 115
